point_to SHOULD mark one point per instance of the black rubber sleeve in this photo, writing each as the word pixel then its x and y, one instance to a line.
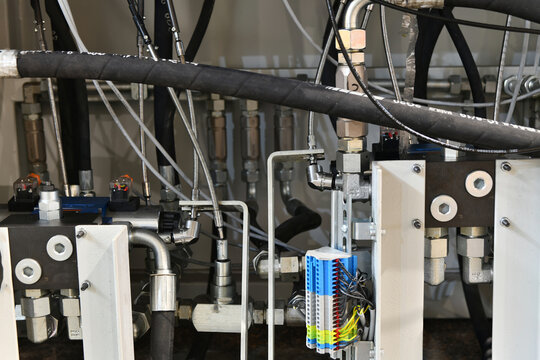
pixel 163 105
pixel 526 9
pixel 429 31
pixel 280 91
pixel 303 219
pixel 72 101
pixel 475 82
pixel 162 335
pixel 200 30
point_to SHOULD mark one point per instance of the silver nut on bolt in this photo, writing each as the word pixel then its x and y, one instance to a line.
pixel 471 247
pixel 352 39
pixel 35 307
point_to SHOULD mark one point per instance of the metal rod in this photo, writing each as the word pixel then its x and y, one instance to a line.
pixel 500 76
pixel 388 54
pixel 274 157
pixel 244 297
pixel 329 42
pixel 351 15
pixel 40 31
pixel 145 182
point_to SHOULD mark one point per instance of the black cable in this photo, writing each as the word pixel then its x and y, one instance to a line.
pixel 276 90
pixel 469 64
pixel 460 21
pixel 200 30
pixel 303 219
pixel 387 113
pixel 72 102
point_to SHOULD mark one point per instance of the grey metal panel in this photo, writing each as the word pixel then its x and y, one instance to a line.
pixel 398 259
pixel 516 273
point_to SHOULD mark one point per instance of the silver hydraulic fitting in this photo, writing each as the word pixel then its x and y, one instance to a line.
pixel 50 205
pixel 473 246
pixel 36 307
pixel 435 252
pixel 70 307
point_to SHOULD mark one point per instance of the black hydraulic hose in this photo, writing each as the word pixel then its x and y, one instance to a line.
pixel 481 323
pixel 280 91
pixel 303 219
pixel 72 101
pixel 526 9
pixel 163 105
pixel 469 64
pixel 162 335
pixel 429 31
pixel 200 30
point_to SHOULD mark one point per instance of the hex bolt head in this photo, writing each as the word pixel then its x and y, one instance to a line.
pixel 505 222
pixel 85 285
pixel 505 166
pixel 417 223
pixel 417 168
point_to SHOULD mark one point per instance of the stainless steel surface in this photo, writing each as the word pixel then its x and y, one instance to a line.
pixel 163 291
pixel 154 242
pixel 388 54
pixel 86 182
pixel 435 252
pixel 50 204
pixel 352 13
pixel 473 246
pixel 146 217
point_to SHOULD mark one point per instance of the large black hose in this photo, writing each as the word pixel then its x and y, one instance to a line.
pixel 163 105
pixel 526 9
pixel 72 102
pixel 276 90
pixel 162 335
pixel 303 219
pixel 200 30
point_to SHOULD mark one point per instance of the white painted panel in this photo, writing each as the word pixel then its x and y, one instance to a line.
pixel 106 320
pixel 398 259
pixel 516 273
pixel 8 327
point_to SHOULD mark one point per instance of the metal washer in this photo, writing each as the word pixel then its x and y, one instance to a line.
pixel 439 201
pixel 63 241
pixel 475 190
pixel 24 278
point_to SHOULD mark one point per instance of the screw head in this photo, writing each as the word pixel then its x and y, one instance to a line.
pixel 505 166
pixel 417 168
pixel 80 234
pixel 85 285
pixel 505 222
pixel 417 224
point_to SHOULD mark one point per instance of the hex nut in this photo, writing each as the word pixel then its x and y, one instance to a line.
pixel 290 268
pixel 251 105
pixel 350 145
pixel 31 108
pixel 436 233
pixel 70 307
pixel 250 176
pixel 354 39
pixel 220 176
pixel 470 247
pixel 356 58
pixel 184 312
pixel 35 293
pixel 349 162
pixel 436 248
pixel 217 105
pixel 35 307
pixel 474 231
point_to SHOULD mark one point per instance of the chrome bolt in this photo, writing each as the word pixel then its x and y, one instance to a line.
pixel 417 168
pixel 81 234
pixel 417 223
pixel 505 222
pixel 505 166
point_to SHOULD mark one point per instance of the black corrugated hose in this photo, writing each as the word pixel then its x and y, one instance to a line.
pixel 303 219
pixel 72 102
pixel 279 91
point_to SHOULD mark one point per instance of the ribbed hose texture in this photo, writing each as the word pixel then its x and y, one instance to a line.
pixel 280 91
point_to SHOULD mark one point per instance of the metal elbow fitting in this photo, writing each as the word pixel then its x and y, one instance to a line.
pixel 163 281
pixel 320 180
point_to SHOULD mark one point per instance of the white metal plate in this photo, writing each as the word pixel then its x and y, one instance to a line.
pixel 398 198
pixel 8 329
pixel 106 320
pixel 516 273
